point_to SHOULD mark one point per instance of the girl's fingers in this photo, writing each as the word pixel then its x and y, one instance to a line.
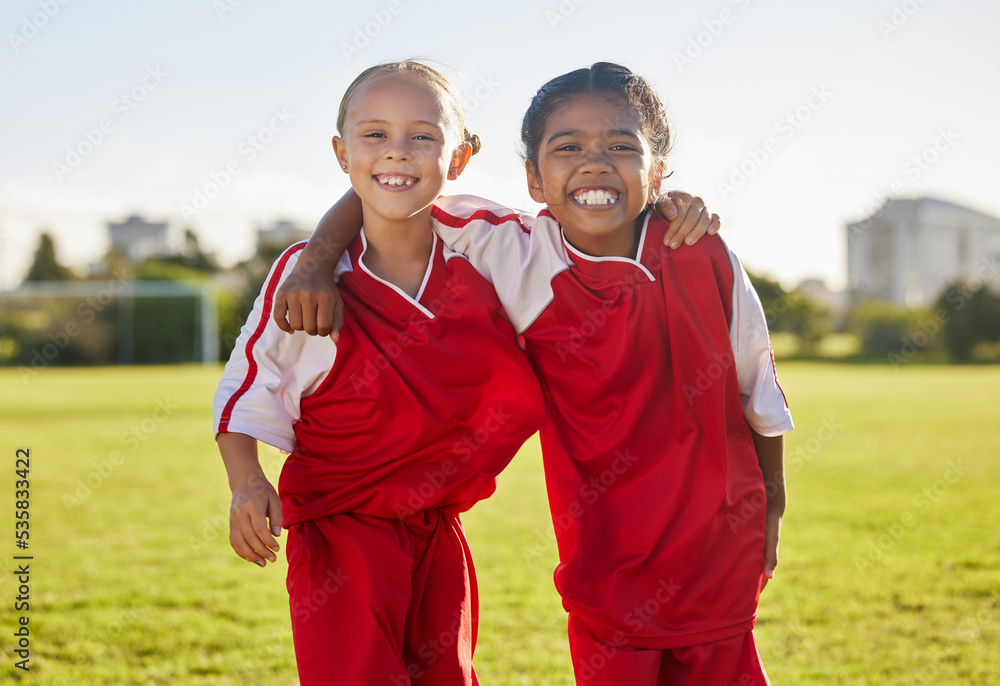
pixel 294 316
pixel 716 224
pixel 280 312
pixel 700 228
pixel 257 544
pixel 338 319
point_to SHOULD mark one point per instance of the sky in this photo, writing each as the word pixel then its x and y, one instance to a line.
pixel 789 118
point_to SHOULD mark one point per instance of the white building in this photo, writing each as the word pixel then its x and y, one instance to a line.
pixel 137 239
pixel 911 250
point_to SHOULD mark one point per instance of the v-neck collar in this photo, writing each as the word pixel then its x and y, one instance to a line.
pixel 612 267
pixel 390 296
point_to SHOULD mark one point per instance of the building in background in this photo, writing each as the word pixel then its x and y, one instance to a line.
pixel 817 291
pixel 274 240
pixel 137 240
pixel 911 250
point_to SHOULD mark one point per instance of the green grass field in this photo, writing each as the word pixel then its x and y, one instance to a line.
pixel 890 555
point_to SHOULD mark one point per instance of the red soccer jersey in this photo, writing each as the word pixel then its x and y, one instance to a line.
pixel 654 370
pixel 419 406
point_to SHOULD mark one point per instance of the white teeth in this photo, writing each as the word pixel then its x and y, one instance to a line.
pixel 596 197
pixel 395 180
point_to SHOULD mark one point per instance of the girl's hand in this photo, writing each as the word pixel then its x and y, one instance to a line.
pixel 310 300
pixel 689 219
pixel 255 504
pixel 771 535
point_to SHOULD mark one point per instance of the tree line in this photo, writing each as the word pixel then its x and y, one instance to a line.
pixel 963 325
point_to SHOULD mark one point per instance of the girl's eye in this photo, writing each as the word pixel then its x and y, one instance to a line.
pixel 374 134
pixel 423 137
pixel 569 147
pixel 623 147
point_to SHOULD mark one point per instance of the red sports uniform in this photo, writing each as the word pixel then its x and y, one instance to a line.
pixel 654 370
pixel 393 432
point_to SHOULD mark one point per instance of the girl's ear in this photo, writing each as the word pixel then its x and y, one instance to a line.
pixel 534 182
pixel 459 159
pixel 340 150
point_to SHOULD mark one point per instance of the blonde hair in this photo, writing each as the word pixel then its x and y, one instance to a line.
pixel 451 102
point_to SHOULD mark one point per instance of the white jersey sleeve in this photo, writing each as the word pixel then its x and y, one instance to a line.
pixel 270 371
pixel 764 404
pixel 518 253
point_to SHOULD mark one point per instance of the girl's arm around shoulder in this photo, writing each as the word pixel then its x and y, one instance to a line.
pixel 269 371
pixel 480 229
pixel 309 299
pixel 517 253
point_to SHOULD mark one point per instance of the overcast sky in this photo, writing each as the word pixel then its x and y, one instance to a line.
pixel 790 118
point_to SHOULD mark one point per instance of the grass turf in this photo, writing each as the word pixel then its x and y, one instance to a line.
pixel 890 553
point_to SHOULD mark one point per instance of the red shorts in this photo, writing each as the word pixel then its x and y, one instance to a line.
pixel 729 662
pixel 380 602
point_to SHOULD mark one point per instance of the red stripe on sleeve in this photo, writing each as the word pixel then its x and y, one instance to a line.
pixel 272 286
pixel 460 222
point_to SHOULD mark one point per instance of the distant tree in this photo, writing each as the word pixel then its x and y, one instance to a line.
pixel 190 256
pixel 45 266
pixel 791 312
pixel 970 317
pixel 886 329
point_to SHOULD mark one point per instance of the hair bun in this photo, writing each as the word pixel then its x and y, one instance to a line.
pixel 473 141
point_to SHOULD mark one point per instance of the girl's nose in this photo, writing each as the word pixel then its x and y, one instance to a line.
pixel 398 150
pixel 596 163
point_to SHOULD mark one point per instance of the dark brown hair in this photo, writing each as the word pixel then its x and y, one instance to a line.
pixel 605 78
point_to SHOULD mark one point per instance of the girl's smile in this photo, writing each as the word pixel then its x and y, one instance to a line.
pixel 395 182
pixel 595 172
pixel 597 198
pixel 398 149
